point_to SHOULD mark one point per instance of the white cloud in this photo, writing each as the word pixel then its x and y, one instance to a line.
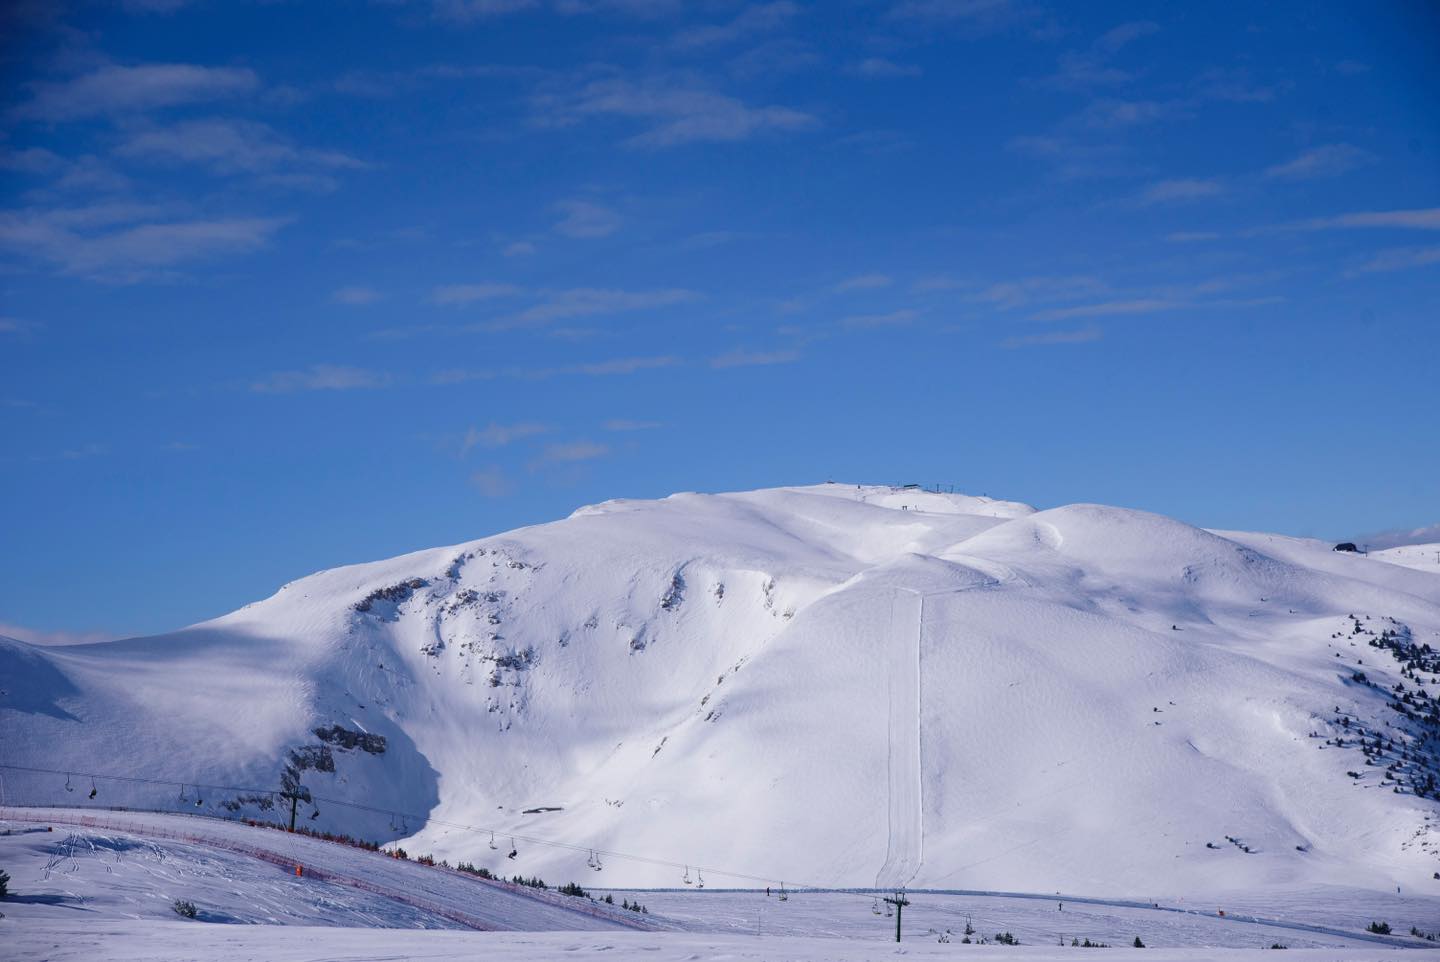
pixel 320 377
pixel 570 453
pixel 755 18
pixel 1426 218
pixel 467 10
pixel 1399 259
pixel 228 146
pixel 500 435
pixel 355 296
pixel 90 240
pixel 1180 190
pixel 891 319
pixel 1327 161
pixel 864 282
pixel 454 294
pixel 586 220
pixel 1107 308
pixel 115 89
pixel 621 424
pixel 589 301
pixel 881 67
pixel 677 112
pixel 491 482
pixel 1082 336
pixel 518 249
pixel 742 358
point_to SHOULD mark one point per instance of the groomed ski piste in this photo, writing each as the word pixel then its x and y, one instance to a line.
pixel 835 687
pixel 93 884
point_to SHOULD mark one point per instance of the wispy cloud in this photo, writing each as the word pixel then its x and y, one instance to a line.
pixel 14 325
pixel 1009 295
pixel 584 219
pixel 491 482
pixel 518 249
pixel 889 319
pixel 1108 308
pixel 1327 161
pixel 742 358
pixel 1179 190
pixel 753 19
pixel 1398 260
pixel 952 10
pixel 1425 218
pixel 570 453
pixel 229 146
pixel 622 424
pixel 1081 336
pixel 114 90
pixel 590 302
pixel 458 294
pixel 355 296
pixel 500 435
pixel 675 111
pixel 610 368
pixel 883 67
pixel 864 282
pixel 320 377
pixel 126 241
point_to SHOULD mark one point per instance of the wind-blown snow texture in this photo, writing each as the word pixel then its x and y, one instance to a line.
pixel 834 684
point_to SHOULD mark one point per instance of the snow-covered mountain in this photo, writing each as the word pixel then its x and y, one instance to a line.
pixel 832 684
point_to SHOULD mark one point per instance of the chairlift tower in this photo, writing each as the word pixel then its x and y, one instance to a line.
pixel 899 901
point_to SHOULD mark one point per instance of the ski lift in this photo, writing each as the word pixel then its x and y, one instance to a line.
pixel 68 786
pixel 198 800
pixel 699 880
pixel 93 790
pixel 393 826
pixel 183 799
pixel 315 814
pixel 875 907
pixel 513 850
pixel 404 825
pixel 888 913
pixel 598 865
pixel 784 896
pixel 686 877
pixel 492 842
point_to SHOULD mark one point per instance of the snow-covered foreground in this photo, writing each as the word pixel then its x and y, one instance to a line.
pixel 122 941
pixel 83 891
pixel 832 686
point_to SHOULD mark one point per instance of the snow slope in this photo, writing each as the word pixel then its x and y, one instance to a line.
pixel 835 684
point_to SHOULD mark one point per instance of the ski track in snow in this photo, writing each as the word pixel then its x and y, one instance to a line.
pixel 905 818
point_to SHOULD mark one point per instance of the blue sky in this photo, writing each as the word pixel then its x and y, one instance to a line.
pixel 288 285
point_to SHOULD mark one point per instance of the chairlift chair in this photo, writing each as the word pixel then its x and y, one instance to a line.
pixel 492 842
pixel 68 786
pixel 686 877
pixel 699 880
pixel 784 896
pixel 513 850
pixel 875 907
pixel 93 790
